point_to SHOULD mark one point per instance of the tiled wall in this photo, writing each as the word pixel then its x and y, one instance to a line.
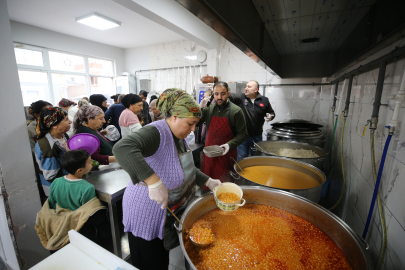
pixel 357 161
pixel 230 64
pixel 289 102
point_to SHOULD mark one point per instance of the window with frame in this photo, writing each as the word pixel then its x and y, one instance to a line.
pixel 51 75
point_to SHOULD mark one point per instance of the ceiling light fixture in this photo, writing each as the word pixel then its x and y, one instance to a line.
pixel 98 21
pixel 309 40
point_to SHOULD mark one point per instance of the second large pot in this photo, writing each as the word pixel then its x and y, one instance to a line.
pixel 270 148
pixel 313 194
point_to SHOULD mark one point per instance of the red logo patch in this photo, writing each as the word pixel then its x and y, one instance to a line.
pixel 261 104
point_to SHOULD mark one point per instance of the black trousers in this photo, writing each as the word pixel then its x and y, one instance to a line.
pixel 148 255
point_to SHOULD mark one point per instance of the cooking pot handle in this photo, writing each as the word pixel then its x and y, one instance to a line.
pixel 264 151
pixel 242 204
pixel 234 175
pixel 362 240
pixel 179 228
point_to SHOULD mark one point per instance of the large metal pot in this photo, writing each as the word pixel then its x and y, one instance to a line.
pixel 346 239
pixel 312 137
pixel 313 194
pixel 270 148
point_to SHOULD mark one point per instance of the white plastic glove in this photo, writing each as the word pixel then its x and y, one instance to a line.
pixel 212 183
pixel 226 148
pixel 158 193
pixel 269 117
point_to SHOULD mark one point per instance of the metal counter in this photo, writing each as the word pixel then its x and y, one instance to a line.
pixel 110 182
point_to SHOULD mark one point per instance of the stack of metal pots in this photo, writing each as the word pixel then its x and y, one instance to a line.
pixel 297 130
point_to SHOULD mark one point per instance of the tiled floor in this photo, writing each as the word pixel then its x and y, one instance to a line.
pixel 177 259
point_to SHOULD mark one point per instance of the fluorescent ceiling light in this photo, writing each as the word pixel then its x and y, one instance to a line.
pixel 98 21
pixel 192 57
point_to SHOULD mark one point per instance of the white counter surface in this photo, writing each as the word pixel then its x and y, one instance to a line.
pixel 82 254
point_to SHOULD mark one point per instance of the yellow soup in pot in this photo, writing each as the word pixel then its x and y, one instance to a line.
pixel 279 177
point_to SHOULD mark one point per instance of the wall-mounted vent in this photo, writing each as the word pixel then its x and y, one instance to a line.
pixel 309 40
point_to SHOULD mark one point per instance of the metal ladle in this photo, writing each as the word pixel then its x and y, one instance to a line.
pixel 188 231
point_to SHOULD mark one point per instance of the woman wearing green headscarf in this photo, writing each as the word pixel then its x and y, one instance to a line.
pixel 162 170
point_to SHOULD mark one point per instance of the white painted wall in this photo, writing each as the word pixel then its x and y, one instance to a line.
pixel 137 59
pixel 33 35
pixel 15 152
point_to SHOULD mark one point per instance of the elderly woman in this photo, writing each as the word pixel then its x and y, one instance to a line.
pixel 52 144
pixel 89 119
pixel 155 114
pixel 128 121
pixel 35 110
pixel 162 170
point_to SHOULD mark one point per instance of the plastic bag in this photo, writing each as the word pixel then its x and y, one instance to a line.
pixel 191 138
pixel 112 133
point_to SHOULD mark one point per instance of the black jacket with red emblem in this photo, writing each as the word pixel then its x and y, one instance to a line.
pixel 254 112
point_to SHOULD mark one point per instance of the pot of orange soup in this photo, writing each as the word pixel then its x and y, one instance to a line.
pixel 293 233
pixel 282 173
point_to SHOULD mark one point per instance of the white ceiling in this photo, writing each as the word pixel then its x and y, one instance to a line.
pixel 331 21
pixel 60 15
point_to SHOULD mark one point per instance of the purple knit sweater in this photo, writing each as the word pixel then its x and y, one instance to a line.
pixel 142 216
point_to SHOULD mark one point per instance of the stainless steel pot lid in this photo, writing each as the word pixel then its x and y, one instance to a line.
pixel 318 134
pixel 299 123
pixel 301 131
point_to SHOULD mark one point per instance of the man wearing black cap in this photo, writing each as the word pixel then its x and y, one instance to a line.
pixel 145 111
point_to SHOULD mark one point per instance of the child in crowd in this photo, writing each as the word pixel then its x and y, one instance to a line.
pixel 71 191
pixel 74 193
pixel 141 119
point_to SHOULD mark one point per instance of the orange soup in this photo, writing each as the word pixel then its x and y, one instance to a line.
pixel 264 237
pixel 279 177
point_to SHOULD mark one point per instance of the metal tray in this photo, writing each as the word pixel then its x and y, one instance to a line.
pixel 213 151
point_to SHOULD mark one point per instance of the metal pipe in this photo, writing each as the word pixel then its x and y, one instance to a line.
pixel 295 84
pixel 349 91
pixel 391 56
pixel 335 97
pixel 143 70
pixel 378 94
pixel 169 68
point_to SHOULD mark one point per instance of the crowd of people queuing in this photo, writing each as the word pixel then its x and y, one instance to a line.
pixel 152 148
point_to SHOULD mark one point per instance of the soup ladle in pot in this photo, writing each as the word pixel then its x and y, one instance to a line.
pixel 238 165
pixel 188 231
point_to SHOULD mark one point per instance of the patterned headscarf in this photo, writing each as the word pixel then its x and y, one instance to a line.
pixel 64 102
pixel 178 103
pixel 84 113
pixel 48 118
